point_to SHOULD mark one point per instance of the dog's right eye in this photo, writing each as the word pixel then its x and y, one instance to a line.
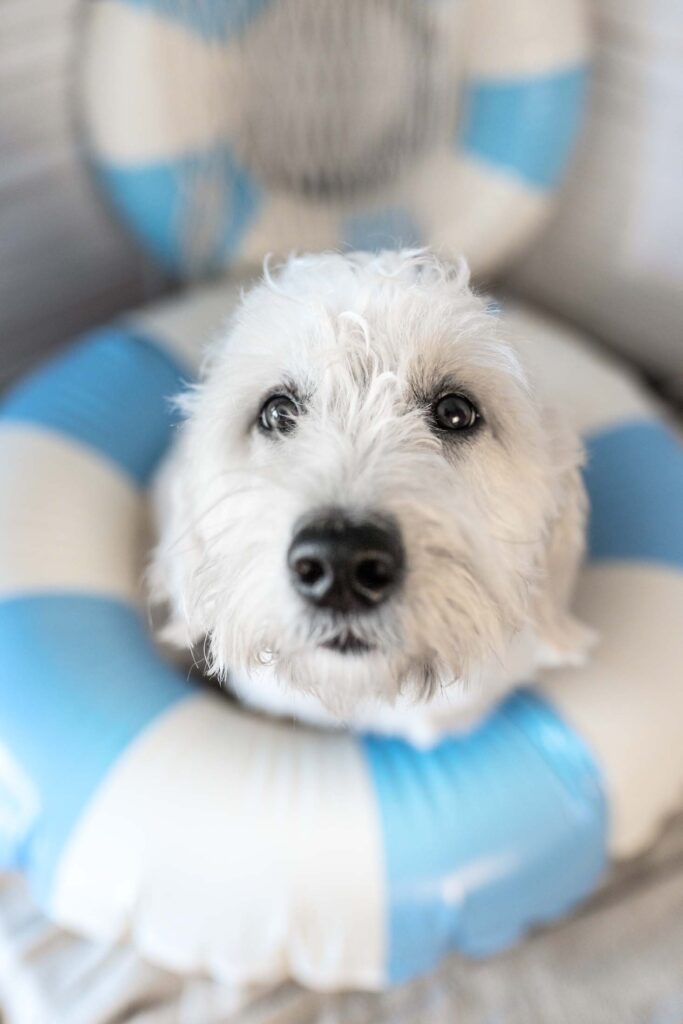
pixel 278 414
pixel 455 413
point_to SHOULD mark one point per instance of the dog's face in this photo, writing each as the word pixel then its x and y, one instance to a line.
pixel 367 492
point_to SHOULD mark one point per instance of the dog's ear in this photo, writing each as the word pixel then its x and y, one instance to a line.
pixel 562 638
pixel 175 560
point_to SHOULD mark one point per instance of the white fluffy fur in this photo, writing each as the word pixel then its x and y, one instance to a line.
pixel 493 525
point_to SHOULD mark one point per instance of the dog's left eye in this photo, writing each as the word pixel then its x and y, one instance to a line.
pixel 455 412
pixel 279 414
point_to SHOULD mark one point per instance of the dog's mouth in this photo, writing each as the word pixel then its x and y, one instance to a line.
pixel 347 643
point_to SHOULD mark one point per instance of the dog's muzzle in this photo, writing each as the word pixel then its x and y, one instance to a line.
pixel 346 564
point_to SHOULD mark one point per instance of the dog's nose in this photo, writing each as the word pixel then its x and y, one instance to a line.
pixel 344 564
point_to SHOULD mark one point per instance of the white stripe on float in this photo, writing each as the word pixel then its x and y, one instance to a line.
pixel 506 40
pixel 152 89
pixel 240 847
pixel 69 520
pixel 185 325
pixel 627 703
pixel 287 222
pixel 596 390
pixel 492 223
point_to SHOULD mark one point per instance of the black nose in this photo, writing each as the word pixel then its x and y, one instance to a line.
pixel 347 565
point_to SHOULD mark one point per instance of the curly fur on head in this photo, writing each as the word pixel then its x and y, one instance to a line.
pixel 492 519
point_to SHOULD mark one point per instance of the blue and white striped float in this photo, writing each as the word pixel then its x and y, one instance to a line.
pixel 172 104
pixel 217 841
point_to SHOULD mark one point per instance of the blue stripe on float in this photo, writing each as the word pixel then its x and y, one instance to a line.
pixel 390 228
pixel 191 211
pixel 486 834
pixel 109 391
pixel 635 483
pixel 217 20
pixel 79 680
pixel 524 127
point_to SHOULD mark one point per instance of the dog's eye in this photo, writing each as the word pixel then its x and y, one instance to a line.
pixel 278 414
pixel 455 412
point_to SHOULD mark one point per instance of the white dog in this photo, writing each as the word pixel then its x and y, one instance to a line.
pixel 370 516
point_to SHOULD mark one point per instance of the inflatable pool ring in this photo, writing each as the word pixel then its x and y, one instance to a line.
pixel 141 807
pixel 224 129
